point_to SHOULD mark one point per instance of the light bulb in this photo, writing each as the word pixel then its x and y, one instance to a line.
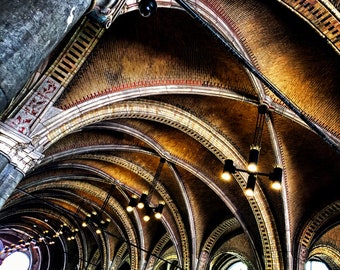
pixel 249 192
pixel 158 215
pixel 252 167
pixel 226 176
pixel 276 185
pixel 140 205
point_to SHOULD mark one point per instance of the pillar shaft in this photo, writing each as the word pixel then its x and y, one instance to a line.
pixel 27 38
pixel 9 179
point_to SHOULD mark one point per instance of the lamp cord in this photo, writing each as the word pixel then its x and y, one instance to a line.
pixel 156 178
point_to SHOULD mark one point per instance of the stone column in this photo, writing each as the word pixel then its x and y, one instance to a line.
pixel 29 31
pixel 3 162
pixel 9 179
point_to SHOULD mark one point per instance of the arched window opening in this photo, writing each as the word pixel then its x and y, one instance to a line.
pixel 238 266
pixel 316 265
pixel 17 260
pixel 229 261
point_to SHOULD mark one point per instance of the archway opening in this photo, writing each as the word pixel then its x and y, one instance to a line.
pixel 237 266
pixel 17 260
pixel 316 265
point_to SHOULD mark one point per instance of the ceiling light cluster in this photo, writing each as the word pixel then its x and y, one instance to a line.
pixel 64 229
pixel 20 246
pixel 49 236
pixel 275 176
pixel 96 219
pixel 144 201
pixel 46 237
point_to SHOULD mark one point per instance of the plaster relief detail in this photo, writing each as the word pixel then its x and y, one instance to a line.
pixel 18 149
pixel 34 106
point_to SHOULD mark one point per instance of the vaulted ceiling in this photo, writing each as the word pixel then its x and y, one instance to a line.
pixel 172 87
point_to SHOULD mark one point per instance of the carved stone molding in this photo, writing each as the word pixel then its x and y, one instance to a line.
pixel 18 148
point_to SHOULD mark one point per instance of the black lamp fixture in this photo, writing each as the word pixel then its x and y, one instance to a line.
pixel 97 219
pixel 254 153
pixel 144 201
pixel 147 7
pixel 249 191
pixel 65 230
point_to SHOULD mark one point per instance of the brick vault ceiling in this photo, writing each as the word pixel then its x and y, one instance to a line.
pixel 174 91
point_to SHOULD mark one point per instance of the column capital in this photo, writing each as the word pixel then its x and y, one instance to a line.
pixel 18 148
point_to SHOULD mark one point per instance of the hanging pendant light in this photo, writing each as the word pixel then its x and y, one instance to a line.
pixel 254 154
pixel 145 198
pixel 158 210
pixel 253 158
pixel 228 170
pixel 249 191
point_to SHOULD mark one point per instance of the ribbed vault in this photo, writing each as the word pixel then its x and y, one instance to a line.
pixel 167 87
